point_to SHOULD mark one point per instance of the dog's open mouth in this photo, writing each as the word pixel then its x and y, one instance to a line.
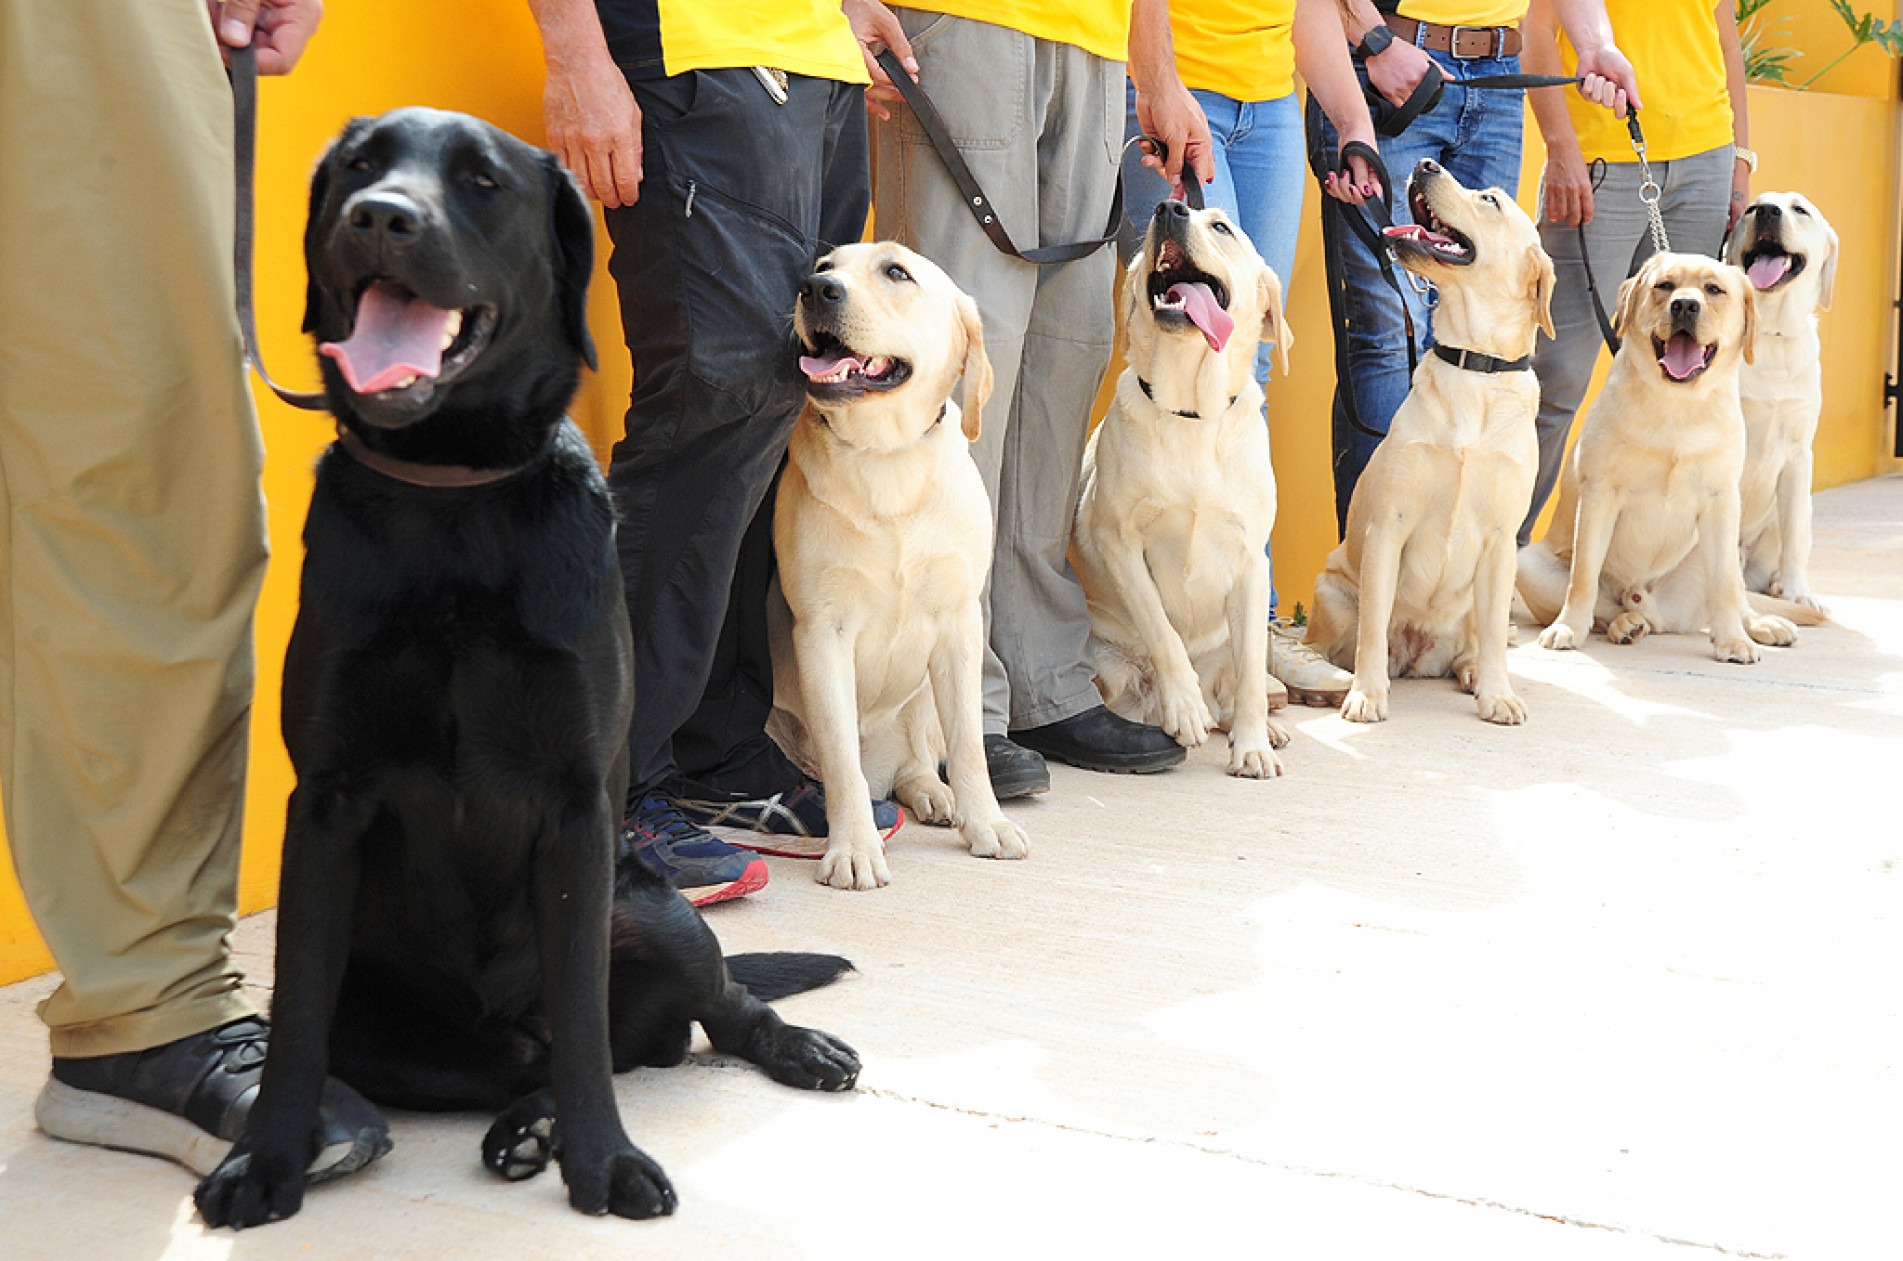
pixel 1682 356
pixel 402 346
pixel 1770 265
pixel 1182 293
pixel 1430 235
pixel 835 370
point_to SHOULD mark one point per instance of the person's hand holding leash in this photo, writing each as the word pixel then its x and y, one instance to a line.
pixel 1398 69
pixel 1165 108
pixel 877 27
pixel 279 28
pixel 1606 76
pixel 588 109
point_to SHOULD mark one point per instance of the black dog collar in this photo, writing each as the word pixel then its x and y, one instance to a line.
pixel 1474 361
pixel 1145 387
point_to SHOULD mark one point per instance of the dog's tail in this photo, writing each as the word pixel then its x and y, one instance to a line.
pixel 784 973
pixel 1802 614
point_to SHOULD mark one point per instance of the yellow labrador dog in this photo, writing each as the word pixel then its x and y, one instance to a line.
pixel 1645 535
pixel 1789 252
pixel 883 532
pixel 1422 583
pixel 1178 496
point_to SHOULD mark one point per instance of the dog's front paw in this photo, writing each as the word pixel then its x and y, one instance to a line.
pixel 251 1188
pixel 996 838
pixel 1627 628
pixel 1560 637
pixel 1254 758
pixel 809 1059
pixel 1740 652
pixel 1504 708
pixel 1365 706
pixel 1182 712
pixel 928 799
pixel 854 865
pixel 626 1183
pixel 1769 628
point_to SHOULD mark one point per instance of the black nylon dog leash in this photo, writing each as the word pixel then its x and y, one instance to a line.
pixel 976 200
pixel 244 108
pixel 1391 119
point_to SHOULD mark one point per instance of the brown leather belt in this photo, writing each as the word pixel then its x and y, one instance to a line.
pixel 1465 43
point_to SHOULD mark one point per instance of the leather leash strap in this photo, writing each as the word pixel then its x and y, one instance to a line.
pixel 244 106
pixel 974 194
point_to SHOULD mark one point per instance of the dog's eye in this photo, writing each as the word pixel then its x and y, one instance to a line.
pixel 1219 226
pixel 896 273
pixel 1664 286
pixel 482 179
pixel 1800 210
pixel 1490 199
pixel 358 163
pixel 1714 289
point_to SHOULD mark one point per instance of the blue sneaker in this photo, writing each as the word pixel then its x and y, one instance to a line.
pixel 704 868
pixel 796 818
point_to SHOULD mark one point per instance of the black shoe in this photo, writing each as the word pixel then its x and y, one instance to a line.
pixel 188 1101
pixel 1099 740
pixel 1015 770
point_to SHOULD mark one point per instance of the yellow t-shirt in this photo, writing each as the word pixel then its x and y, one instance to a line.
pixel 1241 49
pixel 809 37
pixel 1680 66
pixel 1465 12
pixel 1096 26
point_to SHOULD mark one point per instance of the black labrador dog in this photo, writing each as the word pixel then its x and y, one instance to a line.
pixel 456 928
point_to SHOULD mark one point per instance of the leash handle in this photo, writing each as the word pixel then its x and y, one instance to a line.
pixel 1157 147
pixel 974 194
pixel 244 108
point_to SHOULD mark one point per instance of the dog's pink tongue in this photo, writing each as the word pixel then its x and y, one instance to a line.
pixel 397 335
pixel 820 369
pixel 1199 303
pixel 1768 269
pixel 1683 356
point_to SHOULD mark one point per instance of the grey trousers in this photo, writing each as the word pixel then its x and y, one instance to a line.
pixel 1040 125
pixel 1694 192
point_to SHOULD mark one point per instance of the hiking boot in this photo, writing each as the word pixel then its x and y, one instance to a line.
pixel 1099 740
pixel 1309 677
pixel 1015 770
pixel 702 866
pixel 188 1101
pixel 795 819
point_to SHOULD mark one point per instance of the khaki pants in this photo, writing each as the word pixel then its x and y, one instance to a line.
pixel 1040 124
pixel 132 535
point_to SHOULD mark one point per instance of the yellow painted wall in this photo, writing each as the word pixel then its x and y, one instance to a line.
pixel 483 56
pixel 1814 27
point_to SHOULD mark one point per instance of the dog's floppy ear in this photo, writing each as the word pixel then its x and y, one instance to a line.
pixel 1750 292
pixel 320 192
pixel 1631 294
pixel 1274 323
pixel 572 239
pixel 1827 283
pixel 977 367
pixel 1539 290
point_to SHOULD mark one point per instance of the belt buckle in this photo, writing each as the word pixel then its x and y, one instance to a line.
pixel 1494 41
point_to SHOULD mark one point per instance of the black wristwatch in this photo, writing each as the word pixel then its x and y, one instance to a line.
pixel 1375 40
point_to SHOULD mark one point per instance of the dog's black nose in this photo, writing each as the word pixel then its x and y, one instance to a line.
pixel 385 214
pixel 1427 166
pixel 822 290
pixel 1768 211
pixel 1170 208
pixel 1686 308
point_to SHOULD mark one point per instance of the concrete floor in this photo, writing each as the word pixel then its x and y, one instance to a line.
pixel 1621 983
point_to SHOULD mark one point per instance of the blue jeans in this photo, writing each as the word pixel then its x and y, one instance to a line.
pixel 1258 184
pixel 1475 135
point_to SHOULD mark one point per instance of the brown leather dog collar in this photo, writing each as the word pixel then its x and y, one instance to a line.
pixel 440 476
